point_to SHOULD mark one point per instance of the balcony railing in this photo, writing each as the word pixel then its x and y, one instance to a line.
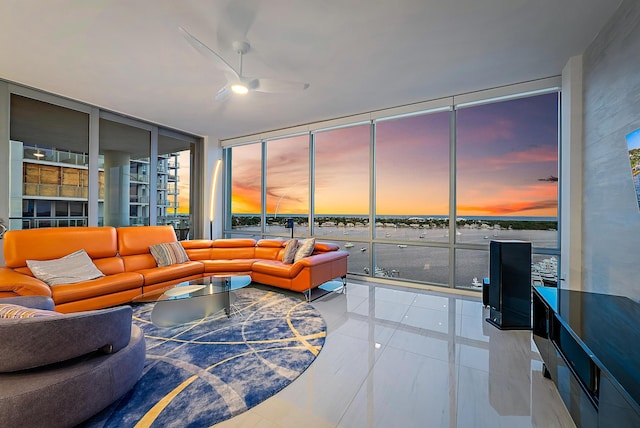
pixel 140 178
pixel 135 199
pixel 53 155
pixel 55 190
pixel 35 223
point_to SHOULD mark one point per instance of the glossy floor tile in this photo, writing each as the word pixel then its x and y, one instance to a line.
pixel 403 358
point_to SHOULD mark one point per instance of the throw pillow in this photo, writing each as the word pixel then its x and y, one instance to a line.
pixel 169 253
pixel 290 251
pixel 8 310
pixel 305 249
pixel 70 269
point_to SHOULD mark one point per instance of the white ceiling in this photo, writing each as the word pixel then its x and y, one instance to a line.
pixel 358 55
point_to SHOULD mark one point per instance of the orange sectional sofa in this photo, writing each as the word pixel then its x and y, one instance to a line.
pixel 130 269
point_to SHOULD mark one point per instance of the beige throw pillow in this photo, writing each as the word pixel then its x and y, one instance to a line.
pixel 169 253
pixel 72 268
pixel 290 251
pixel 8 310
pixel 305 249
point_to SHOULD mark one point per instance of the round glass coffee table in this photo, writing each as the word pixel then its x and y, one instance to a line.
pixel 192 300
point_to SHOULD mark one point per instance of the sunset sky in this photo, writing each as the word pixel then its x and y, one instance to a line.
pixel 183 181
pixel 506 160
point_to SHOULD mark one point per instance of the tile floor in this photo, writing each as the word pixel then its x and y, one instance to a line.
pixel 397 357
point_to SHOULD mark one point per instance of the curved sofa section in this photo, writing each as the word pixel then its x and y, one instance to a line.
pixel 123 255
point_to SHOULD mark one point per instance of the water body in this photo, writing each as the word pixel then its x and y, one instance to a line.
pixel 407 254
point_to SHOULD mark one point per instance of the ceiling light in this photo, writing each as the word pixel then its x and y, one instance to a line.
pixel 38 154
pixel 239 88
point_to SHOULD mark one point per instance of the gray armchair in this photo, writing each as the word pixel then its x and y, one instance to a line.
pixel 60 370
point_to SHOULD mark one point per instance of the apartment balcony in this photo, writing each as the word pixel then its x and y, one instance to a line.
pixel 135 199
pixel 55 156
pixel 35 223
pixel 138 221
pixel 139 178
pixel 55 191
pixel 144 161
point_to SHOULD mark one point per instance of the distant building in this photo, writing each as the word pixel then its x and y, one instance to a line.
pixel 52 189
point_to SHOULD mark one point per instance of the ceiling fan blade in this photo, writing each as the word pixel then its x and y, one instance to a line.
pixel 274 85
pixel 208 52
pixel 223 93
pixel 236 21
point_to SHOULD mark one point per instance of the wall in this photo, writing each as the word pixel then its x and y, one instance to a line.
pixel 611 219
pixel 571 188
pixel 4 160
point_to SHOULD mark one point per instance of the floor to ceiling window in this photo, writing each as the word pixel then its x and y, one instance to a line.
pixel 49 162
pixel 341 191
pixel 173 190
pixel 506 177
pixel 125 157
pixel 412 197
pixel 53 182
pixel 287 185
pixel 246 189
pixel 415 196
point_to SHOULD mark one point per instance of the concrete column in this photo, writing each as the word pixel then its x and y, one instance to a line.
pixel 571 208
pixel 4 159
pixel 117 177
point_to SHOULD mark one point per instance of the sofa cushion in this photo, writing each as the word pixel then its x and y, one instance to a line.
pixel 70 269
pixel 133 240
pixel 10 311
pixel 168 253
pixel 277 268
pixel 66 394
pixel 234 242
pixel 231 265
pixel 13 283
pixel 290 251
pixel 36 342
pixel 55 242
pixel 158 275
pixel 103 286
pixel 305 249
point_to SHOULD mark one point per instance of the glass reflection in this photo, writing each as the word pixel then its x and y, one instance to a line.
pixel 124 152
pixel 48 148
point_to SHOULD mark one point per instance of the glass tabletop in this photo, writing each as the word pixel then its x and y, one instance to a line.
pixel 205 286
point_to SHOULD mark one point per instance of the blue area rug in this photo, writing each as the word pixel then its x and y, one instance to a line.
pixel 204 372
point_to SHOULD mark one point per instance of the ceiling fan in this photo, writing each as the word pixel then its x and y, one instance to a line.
pixel 237 82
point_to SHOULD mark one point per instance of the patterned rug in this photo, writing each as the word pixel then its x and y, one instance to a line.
pixel 204 372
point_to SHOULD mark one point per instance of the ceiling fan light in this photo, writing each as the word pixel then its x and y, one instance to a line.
pixel 239 88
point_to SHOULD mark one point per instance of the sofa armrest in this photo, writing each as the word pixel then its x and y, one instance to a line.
pixel 324 247
pixel 33 302
pixel 34 342
pixel 318 259
pixel 21 284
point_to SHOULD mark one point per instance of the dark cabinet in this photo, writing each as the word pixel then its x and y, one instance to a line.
pixel 589 346
pixel 615 409
pixel 541 328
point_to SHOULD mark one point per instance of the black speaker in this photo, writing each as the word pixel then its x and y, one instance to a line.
pixel 510 284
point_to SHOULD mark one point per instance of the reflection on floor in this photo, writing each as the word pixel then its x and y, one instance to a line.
pixel 409 358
